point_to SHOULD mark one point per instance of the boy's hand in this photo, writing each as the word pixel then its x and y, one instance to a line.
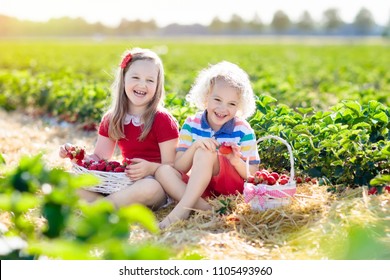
pixel 209 144
pixel 231 151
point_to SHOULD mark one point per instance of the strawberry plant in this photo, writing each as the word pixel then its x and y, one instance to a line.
pixel 70 229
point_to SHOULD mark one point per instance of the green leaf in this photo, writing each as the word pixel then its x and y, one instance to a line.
pixel 62 249
pixel 303 110
pixel 138 213
pixel 380 180
pixel 354 106
pixel 2 160
pixel 381 117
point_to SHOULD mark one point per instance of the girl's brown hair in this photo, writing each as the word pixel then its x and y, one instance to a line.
pixel 120 104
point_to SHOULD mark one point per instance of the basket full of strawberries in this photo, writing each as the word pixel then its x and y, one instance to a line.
pixel 267 189
pixel 111 173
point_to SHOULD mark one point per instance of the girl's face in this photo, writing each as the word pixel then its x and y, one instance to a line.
pixel 141 84
pixel 222 104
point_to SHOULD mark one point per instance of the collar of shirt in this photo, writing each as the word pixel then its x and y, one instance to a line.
pixel 227 128
pixel 135 119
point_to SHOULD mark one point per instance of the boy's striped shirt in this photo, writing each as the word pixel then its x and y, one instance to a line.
pixel 235 130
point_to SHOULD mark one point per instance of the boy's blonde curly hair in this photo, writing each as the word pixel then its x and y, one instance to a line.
pixel 234 76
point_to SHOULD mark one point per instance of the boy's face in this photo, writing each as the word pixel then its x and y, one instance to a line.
pixel 222 104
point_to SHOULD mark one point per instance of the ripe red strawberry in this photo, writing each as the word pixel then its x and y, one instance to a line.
pixel 251 179
pixel 119 169
pixel 299 180
pixel 283 181
pixel 284 176
pixel 372 191
pixel 387 188
pixel 93 167
pixel 307 179
pixel 101 166
pixel 80 153
pixel 75 153
pixel 271 180
pixel 225 149
pixel 114 164
pixel 275 175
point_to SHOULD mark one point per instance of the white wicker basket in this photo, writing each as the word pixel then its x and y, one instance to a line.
pixel 262 196
pixel 110 182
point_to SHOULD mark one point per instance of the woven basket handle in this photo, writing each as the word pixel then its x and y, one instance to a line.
pixel 292 173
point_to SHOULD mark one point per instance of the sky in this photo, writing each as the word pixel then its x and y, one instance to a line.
pixel 164 12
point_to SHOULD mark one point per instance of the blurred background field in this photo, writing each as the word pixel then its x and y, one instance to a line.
pixel 321 83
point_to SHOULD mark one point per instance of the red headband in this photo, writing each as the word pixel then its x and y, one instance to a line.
pixel 126 60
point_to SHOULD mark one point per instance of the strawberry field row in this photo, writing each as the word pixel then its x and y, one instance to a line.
pixel 330 102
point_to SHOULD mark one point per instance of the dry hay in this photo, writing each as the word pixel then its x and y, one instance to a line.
pixel 316 225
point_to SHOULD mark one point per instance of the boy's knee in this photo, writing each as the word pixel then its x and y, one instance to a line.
pixel 163 170
pixel 204 155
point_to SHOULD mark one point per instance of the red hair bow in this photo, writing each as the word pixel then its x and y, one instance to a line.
pixel 126 60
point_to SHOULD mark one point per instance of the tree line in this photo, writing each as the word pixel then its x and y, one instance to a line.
pixel 331 24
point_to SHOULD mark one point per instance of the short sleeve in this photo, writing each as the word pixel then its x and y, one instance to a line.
pixel 165 126
pixel 185 137
pixel 103 127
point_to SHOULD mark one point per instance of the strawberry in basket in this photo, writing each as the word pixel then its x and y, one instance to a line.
pixel 268 178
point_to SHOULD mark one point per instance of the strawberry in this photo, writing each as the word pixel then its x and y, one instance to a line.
pixel 299 180
pixel 271 180
pixel 225 149
pixel 275 175
pixel 372 191
pixel 251 179
pixel 114 164
pixel 101 166
pixel 284 176
pixel 75 153
pixel 80 153
pixel 119 169
pixel 283 181
pixel 93 167
pixel 387 188
pixel 307 179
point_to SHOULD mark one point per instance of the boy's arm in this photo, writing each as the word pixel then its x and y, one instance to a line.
pixel 240 166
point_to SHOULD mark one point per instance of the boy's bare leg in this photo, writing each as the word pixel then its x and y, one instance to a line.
pixel 205 165
pixel 171 181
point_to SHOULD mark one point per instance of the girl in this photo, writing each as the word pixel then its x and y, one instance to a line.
pixel 224 92
pixel 144 132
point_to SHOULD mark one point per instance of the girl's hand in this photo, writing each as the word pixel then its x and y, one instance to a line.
pixel 139 168
pixel 64 150
pixel 209 144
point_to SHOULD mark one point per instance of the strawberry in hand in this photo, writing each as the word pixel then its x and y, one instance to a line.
pixel 75 153
pixel 225 149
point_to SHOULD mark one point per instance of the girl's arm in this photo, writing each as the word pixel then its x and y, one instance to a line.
pixel 104 148
pixel 141 168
